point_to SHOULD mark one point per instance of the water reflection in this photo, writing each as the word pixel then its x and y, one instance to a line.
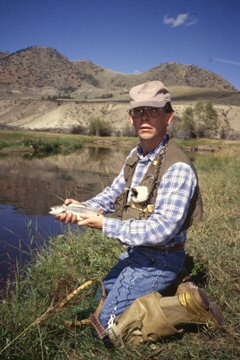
pixel 30 187
pixel 35 185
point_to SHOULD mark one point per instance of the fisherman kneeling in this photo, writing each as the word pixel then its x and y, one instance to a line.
pixel 156 197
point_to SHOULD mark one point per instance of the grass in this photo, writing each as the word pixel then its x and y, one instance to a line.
pixel 26 141
pixel 38 144
pixel 70 261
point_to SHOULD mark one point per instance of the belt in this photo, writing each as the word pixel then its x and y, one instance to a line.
pixel 169 248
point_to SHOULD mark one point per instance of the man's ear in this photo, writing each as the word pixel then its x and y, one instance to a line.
pixel 170 117
pixel 130 120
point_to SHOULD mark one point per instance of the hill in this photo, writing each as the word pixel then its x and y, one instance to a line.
pixel 36 68
pixel 40 70
pixel 172 74
pixel 41 89
pixel 4 54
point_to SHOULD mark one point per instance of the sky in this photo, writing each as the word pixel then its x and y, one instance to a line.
pixel 129 36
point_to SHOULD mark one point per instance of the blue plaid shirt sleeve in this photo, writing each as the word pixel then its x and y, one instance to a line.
pixel 174 194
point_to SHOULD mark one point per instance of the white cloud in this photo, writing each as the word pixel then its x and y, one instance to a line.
pixel 181 19
pixel 192 22
pixel 226 61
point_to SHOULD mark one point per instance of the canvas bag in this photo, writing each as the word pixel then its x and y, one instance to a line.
pixel 152 316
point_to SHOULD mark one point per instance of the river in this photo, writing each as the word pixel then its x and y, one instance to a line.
pixel 29 187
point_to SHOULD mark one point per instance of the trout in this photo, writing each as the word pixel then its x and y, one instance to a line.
pixel 75 209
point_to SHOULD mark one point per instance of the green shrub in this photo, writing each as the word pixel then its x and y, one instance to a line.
pixel 99 127
pixel 42 148
pixel 128 130
pixel 198 121
pixel 78 129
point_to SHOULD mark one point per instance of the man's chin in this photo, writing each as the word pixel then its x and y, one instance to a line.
pixel 144 134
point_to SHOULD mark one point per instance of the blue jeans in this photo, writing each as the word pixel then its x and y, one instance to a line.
pixel 139 271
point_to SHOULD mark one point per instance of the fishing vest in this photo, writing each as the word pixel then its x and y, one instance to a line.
pixel 130 210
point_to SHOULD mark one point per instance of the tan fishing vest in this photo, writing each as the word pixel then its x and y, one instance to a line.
pixel 151 180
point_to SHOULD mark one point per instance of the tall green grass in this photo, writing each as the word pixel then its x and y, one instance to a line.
pixel 70 261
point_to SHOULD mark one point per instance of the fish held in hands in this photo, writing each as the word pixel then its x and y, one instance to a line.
pixel 75 209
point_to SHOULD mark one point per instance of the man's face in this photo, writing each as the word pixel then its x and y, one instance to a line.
pixel 150 123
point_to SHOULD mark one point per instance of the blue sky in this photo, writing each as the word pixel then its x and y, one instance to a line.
pixel 129 36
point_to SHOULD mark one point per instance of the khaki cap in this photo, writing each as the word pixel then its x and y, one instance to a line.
pixel 152 93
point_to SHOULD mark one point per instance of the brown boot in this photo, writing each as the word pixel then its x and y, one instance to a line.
pixel 185 286
pixel 199 308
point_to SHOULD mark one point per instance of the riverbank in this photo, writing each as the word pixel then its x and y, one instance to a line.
pixel 22 141
pixel 16 141
pixel 70 261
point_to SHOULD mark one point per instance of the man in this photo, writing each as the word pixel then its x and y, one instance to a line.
pixel 157 197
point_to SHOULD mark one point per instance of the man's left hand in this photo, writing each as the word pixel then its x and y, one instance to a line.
pixel 92 221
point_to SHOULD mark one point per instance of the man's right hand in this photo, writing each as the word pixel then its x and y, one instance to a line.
pixel 68 218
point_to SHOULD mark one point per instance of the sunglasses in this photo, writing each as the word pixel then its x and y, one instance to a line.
pixel 149 111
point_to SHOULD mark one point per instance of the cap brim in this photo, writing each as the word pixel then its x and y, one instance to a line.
pixel 157 104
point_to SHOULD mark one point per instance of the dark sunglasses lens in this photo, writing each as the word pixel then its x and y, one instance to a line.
pixel 138 112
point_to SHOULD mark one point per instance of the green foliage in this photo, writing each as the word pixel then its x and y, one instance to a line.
pixel 206 118
pixel 4 144
pixel 128 130
pixel 187 118
pixel 211 117
pixel 42 147
pixel 198 121
pixel 79 129
pixel 199 109
pixel 188 125
pixel 59 269
pixel 99 127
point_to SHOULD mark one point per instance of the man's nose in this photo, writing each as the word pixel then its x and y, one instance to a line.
pixel 145 114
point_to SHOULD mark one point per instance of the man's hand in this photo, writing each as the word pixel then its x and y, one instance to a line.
pixel 92 221
pixel 68 218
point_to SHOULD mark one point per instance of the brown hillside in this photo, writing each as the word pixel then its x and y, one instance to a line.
pixel 38 67
pixel 171 74
pixel 4 54
pixel 189 75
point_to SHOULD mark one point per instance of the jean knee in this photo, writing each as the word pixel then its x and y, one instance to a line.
pixel 106 313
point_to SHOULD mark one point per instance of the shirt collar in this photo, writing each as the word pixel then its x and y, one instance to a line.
pixel 152 154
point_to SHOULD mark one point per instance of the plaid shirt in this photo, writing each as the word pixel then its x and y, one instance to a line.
pixel 174 194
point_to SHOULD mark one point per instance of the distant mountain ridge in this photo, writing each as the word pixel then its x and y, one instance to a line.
pixel 172 74
pixel 39 67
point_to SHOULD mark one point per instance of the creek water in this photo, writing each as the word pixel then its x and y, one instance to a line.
pixel 29 187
